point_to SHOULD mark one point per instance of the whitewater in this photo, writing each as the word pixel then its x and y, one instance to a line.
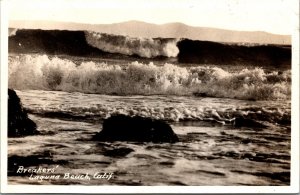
pixel 135 78
pixel 144 47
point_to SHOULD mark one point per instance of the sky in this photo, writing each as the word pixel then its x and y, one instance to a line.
pixel 274 16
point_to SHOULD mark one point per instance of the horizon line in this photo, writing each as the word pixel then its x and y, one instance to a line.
pixel 150 23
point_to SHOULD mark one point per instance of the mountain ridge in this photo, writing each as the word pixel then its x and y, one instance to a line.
pixel 137 28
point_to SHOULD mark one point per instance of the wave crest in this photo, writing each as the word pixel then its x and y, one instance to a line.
pixel 12 31
pixel 143 47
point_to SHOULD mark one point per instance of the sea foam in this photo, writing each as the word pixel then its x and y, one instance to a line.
pixel 143 47
pixel 41 72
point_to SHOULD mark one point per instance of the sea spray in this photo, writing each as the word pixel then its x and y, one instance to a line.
pixel 143 47
pixel 40 72
pixel 12 31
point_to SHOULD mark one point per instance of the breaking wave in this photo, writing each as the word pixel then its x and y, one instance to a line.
pixel 143 47
pixel 12 31
pixel 93 44
pixel 40 72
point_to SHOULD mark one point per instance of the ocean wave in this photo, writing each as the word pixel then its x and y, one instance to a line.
pixel 40 72
pixel 182 50
pixel 12 31
pixel 143 47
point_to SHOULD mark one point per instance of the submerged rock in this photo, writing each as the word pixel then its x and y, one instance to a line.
pixel 245 122
pixel 137 129
pixel 18 122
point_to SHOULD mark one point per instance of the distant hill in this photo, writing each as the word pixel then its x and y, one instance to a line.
pixel 170 30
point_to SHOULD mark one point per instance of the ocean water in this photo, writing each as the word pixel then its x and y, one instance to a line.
pixel 233 122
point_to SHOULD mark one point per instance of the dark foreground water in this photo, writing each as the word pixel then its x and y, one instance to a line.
pixel 210 152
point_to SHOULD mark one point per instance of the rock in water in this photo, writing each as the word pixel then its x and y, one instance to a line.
pixel 18 122
pixel 245 122
pixel 137 129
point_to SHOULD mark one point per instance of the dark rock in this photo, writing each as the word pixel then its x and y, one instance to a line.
pixel 18 122
pixel 137 129
pixel 245 122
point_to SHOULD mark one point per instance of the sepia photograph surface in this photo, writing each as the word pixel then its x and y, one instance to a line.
pixel 150 93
